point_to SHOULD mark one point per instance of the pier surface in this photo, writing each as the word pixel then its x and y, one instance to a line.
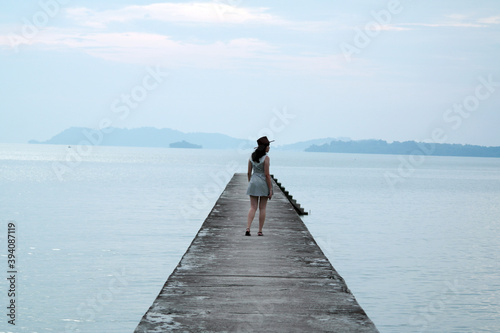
pixel 228 282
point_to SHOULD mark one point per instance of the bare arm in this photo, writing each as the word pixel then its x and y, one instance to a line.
pixel 249 173
pixel 267 163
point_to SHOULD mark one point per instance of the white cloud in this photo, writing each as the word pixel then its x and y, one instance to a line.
pixel 446 25
pixel 388 27
pixel 196 12
pixel 490 20
pixel 92 36
pixel 459 21
pixel 156 49
pixel 150 48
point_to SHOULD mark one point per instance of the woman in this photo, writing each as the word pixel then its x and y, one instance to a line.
pixel 260 188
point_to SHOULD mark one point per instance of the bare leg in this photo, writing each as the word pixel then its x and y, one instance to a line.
pixel 253 208
pixel 262 212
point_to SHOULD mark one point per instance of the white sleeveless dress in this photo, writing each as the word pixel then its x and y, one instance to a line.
pixel 258 185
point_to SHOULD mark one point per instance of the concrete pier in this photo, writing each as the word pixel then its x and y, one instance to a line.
pixel 228 282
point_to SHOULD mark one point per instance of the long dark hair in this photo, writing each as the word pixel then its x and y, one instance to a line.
pixel 258 153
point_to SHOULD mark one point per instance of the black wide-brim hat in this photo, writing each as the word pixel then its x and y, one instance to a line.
pixel 264 141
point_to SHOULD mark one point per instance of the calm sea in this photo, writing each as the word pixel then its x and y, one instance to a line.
pixel 100 229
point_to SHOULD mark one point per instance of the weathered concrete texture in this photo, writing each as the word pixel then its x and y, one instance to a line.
pixel 227 282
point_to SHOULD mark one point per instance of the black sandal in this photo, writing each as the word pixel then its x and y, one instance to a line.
pixel 247 233
pixel 260 233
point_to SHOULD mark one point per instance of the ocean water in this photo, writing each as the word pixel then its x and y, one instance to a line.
pixel 100 229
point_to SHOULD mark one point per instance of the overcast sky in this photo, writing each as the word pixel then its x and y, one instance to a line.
pixel 294 70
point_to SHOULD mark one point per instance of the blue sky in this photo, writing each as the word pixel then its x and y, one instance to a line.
pixel 294 70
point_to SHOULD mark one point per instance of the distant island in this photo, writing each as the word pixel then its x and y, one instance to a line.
pixel 144 137
pixel 184 144
pixel 164 138
pixel 405 148
pixel 169 138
